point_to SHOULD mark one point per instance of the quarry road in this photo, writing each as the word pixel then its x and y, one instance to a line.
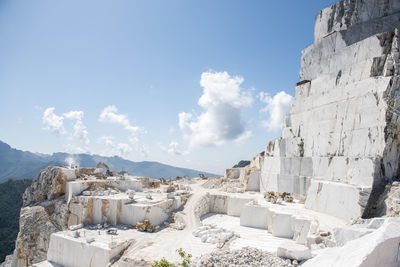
pixel 191 220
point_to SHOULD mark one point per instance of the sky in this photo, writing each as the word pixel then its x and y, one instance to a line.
pixel 195 84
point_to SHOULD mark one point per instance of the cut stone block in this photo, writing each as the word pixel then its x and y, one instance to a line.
pixel 236 205
pixel 69 251
pixel 254 216
pixel 337 199
pixel 301 229
pixel 282 225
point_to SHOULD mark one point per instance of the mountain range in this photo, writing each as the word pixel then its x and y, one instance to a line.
pixel 18 164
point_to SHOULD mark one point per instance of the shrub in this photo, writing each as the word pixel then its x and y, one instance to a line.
pixel 186 260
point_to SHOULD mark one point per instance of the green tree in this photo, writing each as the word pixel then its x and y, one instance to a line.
pixel 10 205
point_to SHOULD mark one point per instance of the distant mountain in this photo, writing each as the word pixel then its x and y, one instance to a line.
pixel 17 164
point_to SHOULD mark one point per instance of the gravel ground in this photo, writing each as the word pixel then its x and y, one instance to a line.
pixel 246 257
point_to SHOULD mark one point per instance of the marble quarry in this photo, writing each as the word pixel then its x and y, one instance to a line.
pixel 327 193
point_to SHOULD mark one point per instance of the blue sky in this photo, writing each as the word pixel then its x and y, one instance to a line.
pixel 142 63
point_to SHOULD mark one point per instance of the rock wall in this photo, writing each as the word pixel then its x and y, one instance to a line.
pixel 340 143
pixel 392 201
pixel 357 19
pixel 44 212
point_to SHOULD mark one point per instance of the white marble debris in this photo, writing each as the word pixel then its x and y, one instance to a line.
pixel 380 248
pixel 213 234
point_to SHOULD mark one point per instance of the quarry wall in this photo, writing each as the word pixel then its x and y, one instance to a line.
pixel 340 144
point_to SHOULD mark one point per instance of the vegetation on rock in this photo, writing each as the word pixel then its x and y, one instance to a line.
pixel 10 205
pixel 242 164
pixel 185 257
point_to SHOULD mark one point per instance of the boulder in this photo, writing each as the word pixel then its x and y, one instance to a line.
pixel 234 173
pixel 98 172
pixel 290 250
pixel 375 223
pixel 343 235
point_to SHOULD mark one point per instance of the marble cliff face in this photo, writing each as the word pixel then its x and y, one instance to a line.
pixel 340 143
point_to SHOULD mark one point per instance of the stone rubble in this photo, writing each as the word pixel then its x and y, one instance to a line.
pixel 224 184
pixel 249 257
pixel 392 201
pixel 213 234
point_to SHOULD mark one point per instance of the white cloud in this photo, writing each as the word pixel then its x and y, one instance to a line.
pixel 243 137
pixel 277 107
pixel 222 100
pixel 53 122
pixel 110 115
pixel 112 148
pixel 79 128
pixel 124 149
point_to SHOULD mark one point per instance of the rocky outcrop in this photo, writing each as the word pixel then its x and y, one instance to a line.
pixel 392 201
pixel 357 19
pixel 44 212
pixel 49 185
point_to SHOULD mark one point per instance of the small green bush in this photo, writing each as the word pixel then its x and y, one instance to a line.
pixel 186 260
pixel 162 263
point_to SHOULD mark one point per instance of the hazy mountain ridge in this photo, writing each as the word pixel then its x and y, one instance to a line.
pixel 18 164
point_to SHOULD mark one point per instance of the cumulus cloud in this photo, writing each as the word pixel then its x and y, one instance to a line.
pixel 276 107
pixel 222 101
pixel 53 122
pixel 110 114
pixel 79 128
pixel 112 148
